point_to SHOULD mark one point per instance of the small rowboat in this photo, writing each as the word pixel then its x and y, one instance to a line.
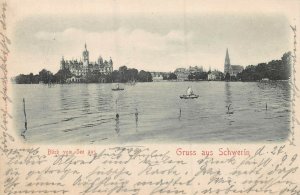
pixel 189 94
pixel 193 96
pixel 118 89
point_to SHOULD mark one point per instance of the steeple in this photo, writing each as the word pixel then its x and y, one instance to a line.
pixel 227 59
pixel 227 65
pixel 85 55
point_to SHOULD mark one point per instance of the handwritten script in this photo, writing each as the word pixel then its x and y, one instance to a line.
pixel 141 170
pixel 5 136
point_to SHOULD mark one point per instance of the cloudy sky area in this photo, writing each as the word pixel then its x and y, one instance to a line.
pixel 154 42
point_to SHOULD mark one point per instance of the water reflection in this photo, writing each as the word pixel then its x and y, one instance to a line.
pixel 228 103
pixel 64 103
pixel 136 119
pixel 100 99
pixel 263 85
pixel 85 99
pixel 227 94
pixel 104 99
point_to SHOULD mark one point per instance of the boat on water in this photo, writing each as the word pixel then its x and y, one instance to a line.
pixel 264 80
pixel 117 88
pixel 189 94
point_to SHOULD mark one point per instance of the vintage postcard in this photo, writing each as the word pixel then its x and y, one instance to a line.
pixel 144 97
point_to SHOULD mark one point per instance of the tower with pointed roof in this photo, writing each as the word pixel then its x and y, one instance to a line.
pixel 85 55
pixel 227 65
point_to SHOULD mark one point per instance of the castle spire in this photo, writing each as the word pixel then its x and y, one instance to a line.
pixel 85 55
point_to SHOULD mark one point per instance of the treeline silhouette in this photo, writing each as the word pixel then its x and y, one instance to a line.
pixel 273 70
pixel 122 75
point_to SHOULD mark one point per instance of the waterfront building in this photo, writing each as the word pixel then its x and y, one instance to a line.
pixel 79 68
pixel 182 74
pixel 215 75
pixel 211 77
pixel 157 76
pixel 195 69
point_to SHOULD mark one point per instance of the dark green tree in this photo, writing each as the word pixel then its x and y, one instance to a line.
pixel 144 76
pixel 131 74
pixel 46 76
pixel 172 76
pixel 62 75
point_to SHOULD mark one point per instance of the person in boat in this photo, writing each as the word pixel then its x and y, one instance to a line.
pixel 118 86
pixel 189 91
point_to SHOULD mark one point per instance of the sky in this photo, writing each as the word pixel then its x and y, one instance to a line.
pixel 151 40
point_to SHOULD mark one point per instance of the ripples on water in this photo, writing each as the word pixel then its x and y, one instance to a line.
pixel 86 113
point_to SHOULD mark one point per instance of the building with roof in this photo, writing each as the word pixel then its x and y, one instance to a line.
pixel 236 69
pixel 195 69
pixel 215 75
pixel 79 69
pixel 157 76
pixel 182 74
pixel 232 70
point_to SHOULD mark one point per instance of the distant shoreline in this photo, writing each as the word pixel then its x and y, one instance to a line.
pixel 163 81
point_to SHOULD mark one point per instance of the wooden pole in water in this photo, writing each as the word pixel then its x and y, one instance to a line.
pixel 25 114
pixel 117 115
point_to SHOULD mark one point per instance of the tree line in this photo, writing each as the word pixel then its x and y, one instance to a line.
pixel 122 75
pixel 273 70
pixel 125 74
pixel 196 76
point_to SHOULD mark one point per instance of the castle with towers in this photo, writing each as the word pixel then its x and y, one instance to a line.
pixel 79 69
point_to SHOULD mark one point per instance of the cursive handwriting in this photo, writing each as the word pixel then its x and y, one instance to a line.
pixel 137 170
pixel 5 136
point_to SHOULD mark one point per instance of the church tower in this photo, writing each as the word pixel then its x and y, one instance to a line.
pixel 227 65
pixel 85 55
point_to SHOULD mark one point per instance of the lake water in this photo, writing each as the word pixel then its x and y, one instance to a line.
pixel 150 113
